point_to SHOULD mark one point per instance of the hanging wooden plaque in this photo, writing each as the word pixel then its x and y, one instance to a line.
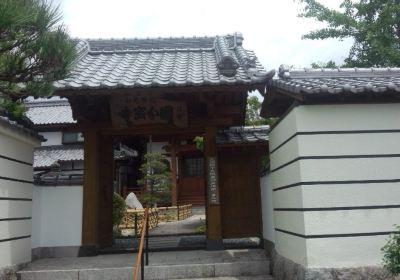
pixel 128 111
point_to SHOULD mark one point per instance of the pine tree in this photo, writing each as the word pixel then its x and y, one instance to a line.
pixel 35 50
pixel 156 179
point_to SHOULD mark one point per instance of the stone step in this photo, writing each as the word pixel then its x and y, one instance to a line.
pixel 163 265
pixel 158 272
pixel 258 277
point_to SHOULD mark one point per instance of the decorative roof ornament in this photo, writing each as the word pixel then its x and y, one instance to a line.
pixel 284 71
pixel 225 61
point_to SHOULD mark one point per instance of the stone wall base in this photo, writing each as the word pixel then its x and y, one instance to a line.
pixel 285 269
pixel 63 251
pixel 268 246
pixel 10 272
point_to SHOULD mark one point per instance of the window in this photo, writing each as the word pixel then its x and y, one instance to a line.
pixel 193 167
pixel 71 165
pixel 72 137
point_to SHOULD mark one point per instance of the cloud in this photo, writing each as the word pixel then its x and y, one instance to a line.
pixel 270 28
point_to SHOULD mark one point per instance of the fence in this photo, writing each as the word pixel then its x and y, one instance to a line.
pixel 175 213
pixel 133 218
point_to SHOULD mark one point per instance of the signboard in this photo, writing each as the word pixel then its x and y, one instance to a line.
pixel 132 110
pixel 212 182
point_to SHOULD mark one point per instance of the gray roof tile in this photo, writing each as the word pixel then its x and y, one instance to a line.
pixel 14 125
pixel 336 81
pixel 53 111
pixel 162 62
pixel 243 135
pixel 46 156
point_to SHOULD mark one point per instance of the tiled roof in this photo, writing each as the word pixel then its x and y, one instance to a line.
pixel 161 62
pixel 243 135
pixel 14 125
pixel 53 111
pixel 59 178
pixel 350 81
pixel 46 156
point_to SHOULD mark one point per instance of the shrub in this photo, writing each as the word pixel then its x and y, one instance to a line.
pixel 119 207
pixel 391 253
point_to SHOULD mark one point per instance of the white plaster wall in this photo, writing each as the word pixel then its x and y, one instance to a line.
pixel 290 221
pixel 285 129
pixel 36 217
pixel 349 221
pixel 53 138
pixel 16 191
pixel 347 117
pixel 349 169
pixel 332 195
pixel 336 251
pixel 284 154
pixel 267 208
pixel 345 252
pixel 348 144
pixel 57 216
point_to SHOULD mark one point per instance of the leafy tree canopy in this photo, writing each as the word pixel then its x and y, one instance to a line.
pixel 373 24
pixel 35 50
pixel 253 117
pixel 329 64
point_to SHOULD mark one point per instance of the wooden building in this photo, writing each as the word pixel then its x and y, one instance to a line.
pixel 171 89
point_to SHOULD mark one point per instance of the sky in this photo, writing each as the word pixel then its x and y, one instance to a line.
pixel 271 28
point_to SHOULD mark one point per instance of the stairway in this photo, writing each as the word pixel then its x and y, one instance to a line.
pixel 205 265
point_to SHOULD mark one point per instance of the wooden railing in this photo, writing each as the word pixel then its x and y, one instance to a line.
pixel 139 256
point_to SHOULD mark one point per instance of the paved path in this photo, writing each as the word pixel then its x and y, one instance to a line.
pixel 181 227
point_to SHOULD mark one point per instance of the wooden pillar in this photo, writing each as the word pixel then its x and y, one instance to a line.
pixel 174 182
pixel 213 211
pixel 106 190
pixel 90 190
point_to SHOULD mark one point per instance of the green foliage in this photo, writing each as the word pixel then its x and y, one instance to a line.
pixel 35 50
pixel 15 109
pixel 374 26
pixel 201 227
pixel 156 179
pixel 391 253
pixel 199 142
pixel 253 117
pixel 119 208
pixel 329 64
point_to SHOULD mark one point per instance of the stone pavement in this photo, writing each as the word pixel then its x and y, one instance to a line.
pixel 181 227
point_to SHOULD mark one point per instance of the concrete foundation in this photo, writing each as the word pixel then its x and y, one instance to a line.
pixel 285 269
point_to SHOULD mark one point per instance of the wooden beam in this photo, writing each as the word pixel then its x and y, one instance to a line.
pixel 174 187
pixel 187 90
pixel 213 210
pixel 90 190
